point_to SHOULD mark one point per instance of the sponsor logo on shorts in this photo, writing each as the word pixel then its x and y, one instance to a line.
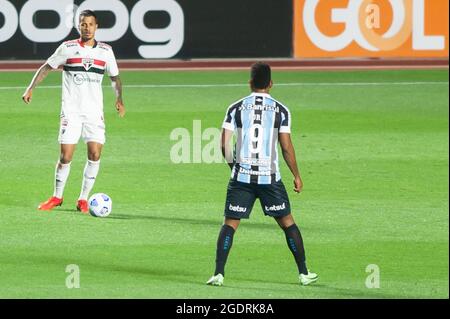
pixel 275 208
pixel 237 209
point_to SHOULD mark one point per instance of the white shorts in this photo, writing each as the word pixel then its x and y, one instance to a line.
pixel 89 126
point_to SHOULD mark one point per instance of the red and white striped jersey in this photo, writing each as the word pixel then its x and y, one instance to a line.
pixel 84 68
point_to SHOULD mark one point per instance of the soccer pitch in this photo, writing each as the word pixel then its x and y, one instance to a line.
pixel 372 148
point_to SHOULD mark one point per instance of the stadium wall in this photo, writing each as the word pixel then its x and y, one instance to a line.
pixel 204 29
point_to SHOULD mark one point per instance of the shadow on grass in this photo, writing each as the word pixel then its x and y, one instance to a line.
pixel 59 210
pixel 192 221
pixel 74 210
pixel 324 290
pixel 207 222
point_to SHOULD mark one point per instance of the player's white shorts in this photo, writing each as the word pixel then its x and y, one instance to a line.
pixel 89 126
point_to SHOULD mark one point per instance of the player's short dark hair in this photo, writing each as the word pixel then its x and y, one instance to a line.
pixel 88 13
pixel 261 75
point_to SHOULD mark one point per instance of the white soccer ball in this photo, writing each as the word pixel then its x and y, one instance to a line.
pixel 100 205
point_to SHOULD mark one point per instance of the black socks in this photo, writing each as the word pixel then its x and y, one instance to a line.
pixel 224 243
pixel 293 239
pixel 295 243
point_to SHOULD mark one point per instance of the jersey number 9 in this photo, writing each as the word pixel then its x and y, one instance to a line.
pixel 256 138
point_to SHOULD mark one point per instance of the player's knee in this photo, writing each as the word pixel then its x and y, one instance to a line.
pixel 65 158
pixel 285 221
pixel 232 222
pixel 94 156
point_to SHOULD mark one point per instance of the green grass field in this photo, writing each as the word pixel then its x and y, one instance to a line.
pixel 374 159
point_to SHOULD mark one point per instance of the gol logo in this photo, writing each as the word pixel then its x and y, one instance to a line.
pixel 359 22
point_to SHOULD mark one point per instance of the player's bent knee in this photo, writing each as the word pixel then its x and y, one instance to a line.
pixel 95 156
pixel 232 222
pixel 285 221
pixel 65 159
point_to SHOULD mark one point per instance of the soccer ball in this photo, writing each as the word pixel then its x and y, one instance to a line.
pixel 100 205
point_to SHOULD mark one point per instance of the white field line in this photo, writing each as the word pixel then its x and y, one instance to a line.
pixel 289 68
pixel 144 86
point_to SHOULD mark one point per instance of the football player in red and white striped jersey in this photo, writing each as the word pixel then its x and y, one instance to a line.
pixel 84 62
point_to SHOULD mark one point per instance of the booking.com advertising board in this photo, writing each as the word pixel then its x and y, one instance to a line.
pixel 161 29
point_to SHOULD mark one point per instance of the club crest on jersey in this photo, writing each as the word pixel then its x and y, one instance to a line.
pixel 87 63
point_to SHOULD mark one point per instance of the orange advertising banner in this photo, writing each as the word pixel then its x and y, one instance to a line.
pixel 371 28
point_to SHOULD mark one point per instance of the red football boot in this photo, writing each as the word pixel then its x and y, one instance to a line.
pixel 82 206
pixel 51 203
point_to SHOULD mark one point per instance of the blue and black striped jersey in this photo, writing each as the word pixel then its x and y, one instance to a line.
pixel 256 120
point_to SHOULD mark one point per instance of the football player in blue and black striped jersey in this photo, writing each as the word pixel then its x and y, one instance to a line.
pixel 259 122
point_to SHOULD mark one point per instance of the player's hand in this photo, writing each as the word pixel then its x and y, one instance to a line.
pixel 120 108
pixel 26 97
pixel 298 184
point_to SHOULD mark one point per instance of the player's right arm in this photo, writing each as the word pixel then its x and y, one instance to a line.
pixel 289 156
pixel 58 58
pixel 225 144
pixel 40 75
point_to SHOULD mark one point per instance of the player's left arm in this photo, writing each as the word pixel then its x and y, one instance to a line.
pixel 113 72
pixel 116 83
pixel 288 152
